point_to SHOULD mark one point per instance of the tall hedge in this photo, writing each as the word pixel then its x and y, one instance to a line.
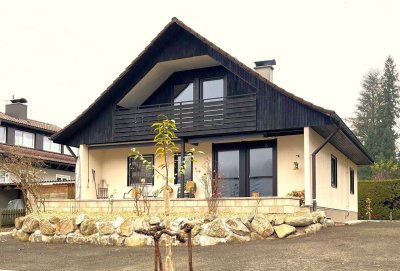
pixel 377 191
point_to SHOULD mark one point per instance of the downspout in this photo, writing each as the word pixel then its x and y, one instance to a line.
pixel 314 167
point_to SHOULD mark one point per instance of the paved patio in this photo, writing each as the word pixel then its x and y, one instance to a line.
pixel 368 246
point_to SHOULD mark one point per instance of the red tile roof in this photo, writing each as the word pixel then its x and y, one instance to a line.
pixel 29 123
pixel 38 154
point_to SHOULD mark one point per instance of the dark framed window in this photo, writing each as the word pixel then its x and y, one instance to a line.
pixel 333 171
pixel 351 181
pixel 184 93
pixel 188 172
pixel 212 89
pixel 137 171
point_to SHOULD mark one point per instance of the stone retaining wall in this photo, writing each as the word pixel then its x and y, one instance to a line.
pixel 206 231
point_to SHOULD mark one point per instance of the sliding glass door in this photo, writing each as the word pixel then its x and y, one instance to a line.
pixel 246 167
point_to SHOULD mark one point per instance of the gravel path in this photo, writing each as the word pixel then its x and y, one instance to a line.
pixel 368 246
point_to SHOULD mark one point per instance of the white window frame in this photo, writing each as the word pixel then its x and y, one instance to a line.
pixel 2 128
pixel 51 146
pixel 23 144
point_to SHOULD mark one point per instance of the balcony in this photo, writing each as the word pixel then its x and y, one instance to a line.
pixel 226 115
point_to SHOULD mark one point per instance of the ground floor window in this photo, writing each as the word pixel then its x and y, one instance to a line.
pixel 138 172
pixel 188 171
pixel 246 168
pixel 333 171
pixel 351 181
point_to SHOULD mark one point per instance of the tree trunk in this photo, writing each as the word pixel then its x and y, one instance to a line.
pixel 168 240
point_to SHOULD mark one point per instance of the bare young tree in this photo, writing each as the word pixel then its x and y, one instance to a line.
pixel 26 173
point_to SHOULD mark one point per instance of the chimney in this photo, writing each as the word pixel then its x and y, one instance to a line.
pixel 265 68
pixel 17 108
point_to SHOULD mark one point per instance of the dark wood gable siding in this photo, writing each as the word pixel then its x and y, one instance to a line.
pixel 275 110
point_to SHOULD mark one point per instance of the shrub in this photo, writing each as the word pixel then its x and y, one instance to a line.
pixel 378 192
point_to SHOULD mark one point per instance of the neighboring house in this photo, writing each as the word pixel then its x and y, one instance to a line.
pixel 260 137
pixel 32 139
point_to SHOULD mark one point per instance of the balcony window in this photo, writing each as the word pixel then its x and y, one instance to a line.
pixel 184 93
pixel 212 89
pixel 24 139
pixel 2 134
pixel 49 145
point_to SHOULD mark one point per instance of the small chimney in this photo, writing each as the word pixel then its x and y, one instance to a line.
pixel 17 108
pixel 265 68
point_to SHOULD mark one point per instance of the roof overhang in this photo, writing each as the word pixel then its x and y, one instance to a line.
pixel 159 73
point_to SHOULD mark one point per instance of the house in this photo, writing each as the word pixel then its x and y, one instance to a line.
pixel 31 138
pixel 261 138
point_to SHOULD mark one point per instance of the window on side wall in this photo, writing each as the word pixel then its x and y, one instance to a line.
pixel 137 171
pixel 177 165
pixel 333 171
pixel 63 178
pixel 351 181
pixel 24 139
pixel 49 145
pixel 2 134
pixel 73 149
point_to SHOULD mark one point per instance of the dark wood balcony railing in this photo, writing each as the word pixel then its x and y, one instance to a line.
pixel 204 117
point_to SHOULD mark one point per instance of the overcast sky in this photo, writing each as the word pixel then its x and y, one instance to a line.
pixel 60 55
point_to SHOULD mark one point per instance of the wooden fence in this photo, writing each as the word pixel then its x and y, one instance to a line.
pixel 7 217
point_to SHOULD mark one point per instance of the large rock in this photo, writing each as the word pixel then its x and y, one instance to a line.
pixel 255 236
pixel 210 241
pixel 140 223
pixel 78 238
pixel 54 220
pixel 154 220
pixel 59 239
pixel 262 226
pixel 299 220
pixel 30 225
pixel 235 238
pixel 236 226
pixel 312 228
pixel 216 228
pixel 106 228
pixel 126 228
pixel 80 218
pixel 19 222
pixel 105 240
pixel 277 219
pixel 329 222
pixel 117 222
pixel 88 227
pixel 35 237
pixel 284 230
pixel 46 227
pixel 117 240
pixel 136 240
pixel 21 236
pixel 177 223
pixel 65 226
pixel 319 216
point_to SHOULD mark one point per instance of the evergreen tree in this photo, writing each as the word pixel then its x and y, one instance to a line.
pixel 388 111
pixel 366 120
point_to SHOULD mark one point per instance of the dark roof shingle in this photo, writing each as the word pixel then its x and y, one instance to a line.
pixel 29 123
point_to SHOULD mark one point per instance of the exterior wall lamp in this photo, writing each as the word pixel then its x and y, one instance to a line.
pixel 295 163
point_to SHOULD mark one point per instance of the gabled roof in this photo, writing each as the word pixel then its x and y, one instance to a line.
pixel 169 30
pixel 34 124
pixel 70 128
